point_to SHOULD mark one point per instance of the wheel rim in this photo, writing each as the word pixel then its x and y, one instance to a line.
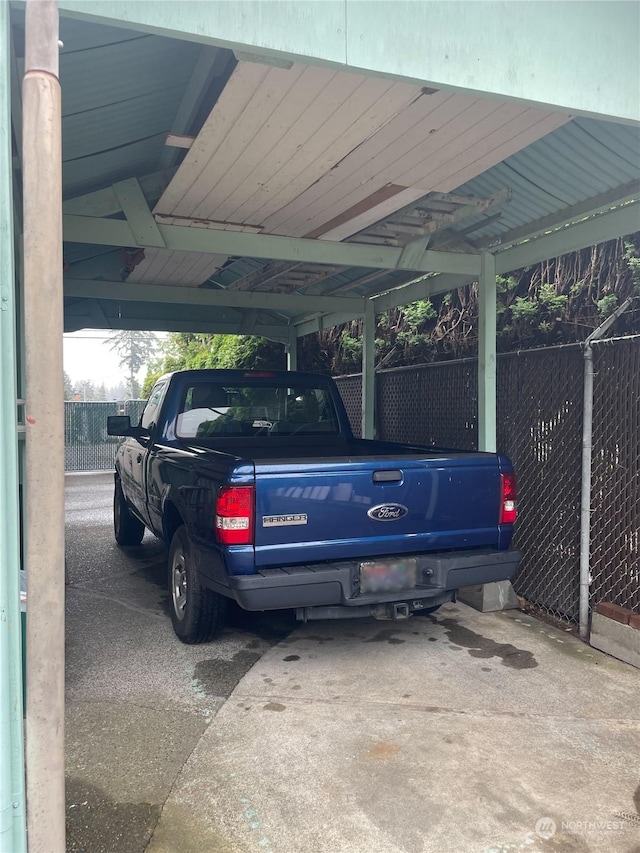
pixel 179 583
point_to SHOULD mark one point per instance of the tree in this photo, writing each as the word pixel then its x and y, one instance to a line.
pixel 68 387
pixel 88 392
pixel 135 350
pixel 188 351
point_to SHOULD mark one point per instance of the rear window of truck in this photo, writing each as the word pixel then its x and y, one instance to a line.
pixel 212 410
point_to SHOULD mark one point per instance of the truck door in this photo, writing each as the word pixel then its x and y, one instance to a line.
pixel 139 449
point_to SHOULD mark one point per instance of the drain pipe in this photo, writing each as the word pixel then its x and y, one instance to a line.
pixel 44 415
pixel 587 445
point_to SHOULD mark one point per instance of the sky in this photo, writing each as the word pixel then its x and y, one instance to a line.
pixel 86 356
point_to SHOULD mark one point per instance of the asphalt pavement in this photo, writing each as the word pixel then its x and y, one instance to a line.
pixel 457 732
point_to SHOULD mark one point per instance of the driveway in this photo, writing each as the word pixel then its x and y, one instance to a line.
pixel 456 732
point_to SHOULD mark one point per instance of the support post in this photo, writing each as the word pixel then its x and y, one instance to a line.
pixel 292 350
pixel 587 449
pixel 44 411
pixel 12 798
pixel 368 369
pixel 585 496
pixel 487 373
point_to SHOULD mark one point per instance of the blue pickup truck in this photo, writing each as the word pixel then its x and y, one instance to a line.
pixel 261 493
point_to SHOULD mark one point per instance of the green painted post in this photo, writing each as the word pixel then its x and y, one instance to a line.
pixel 292 350
pixel 12 785
pixel 487 374
pixel 368 370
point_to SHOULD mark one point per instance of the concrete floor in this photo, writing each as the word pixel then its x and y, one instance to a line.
pixel 458 732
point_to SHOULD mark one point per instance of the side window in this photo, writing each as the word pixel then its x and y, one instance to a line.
pixel 148 419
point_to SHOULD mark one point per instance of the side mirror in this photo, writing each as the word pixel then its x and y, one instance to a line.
pixel 118 425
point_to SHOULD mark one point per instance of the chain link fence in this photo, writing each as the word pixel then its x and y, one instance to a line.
pixel 540 401
pixel 615 474
pixel 87 445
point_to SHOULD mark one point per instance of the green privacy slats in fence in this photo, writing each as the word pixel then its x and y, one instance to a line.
pixel 87 445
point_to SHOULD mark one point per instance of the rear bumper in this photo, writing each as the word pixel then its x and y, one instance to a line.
pixel 328 584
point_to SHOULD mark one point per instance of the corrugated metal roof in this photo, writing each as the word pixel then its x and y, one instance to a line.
pixel 574 163
pixel 120 94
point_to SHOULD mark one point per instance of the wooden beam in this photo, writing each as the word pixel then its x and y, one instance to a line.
pixel 597 204
pixel 179 140
pixel 606 226
pixel 116 232
pixel 105 202
pixel 134 205
pixel 78 319
pixel 128 292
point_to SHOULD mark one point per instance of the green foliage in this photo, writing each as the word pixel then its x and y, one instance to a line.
pixel 135 350
pixel 418 313
pixel 632 258
pixel 524 309
pixel 187 351
pixel 551 300
pixel 557 301
pixel 68 387
pixel 607 305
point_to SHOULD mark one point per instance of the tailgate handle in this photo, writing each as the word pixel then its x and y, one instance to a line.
pixel 387 476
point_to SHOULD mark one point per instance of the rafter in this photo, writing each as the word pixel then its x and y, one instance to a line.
pixel 127 292
pixel 116 232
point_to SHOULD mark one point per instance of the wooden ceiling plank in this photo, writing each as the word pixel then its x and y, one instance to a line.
pixel 358 118
pixel 231 103
pixel 371 165
pixel 296 152
pixel 503 125
pixel 237 137
pixel 264 154
pixel 359 176
pixel 515 144
pixel 242 144
pixel 188 270
pixel 376 143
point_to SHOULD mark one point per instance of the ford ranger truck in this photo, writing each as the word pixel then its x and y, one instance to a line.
pixel 261 494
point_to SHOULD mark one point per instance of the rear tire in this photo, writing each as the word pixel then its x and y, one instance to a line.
pixel 127 529
pixel 197 613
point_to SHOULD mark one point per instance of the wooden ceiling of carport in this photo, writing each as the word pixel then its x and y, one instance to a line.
pixel 309 151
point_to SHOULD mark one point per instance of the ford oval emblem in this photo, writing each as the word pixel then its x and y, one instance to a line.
pixel 387 512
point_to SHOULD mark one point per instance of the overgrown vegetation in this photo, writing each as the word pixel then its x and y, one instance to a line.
pixel 559 301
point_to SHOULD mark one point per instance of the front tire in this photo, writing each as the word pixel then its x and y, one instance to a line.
pixel 197 613
pixel 127 529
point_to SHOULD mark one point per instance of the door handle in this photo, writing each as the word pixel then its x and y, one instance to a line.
pixel 139 458
pixel 387 476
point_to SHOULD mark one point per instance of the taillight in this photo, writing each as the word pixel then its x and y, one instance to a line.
pixel 508 495
pixel 235 515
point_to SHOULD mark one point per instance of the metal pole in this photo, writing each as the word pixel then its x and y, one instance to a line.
pixel 585 496
pixel 368 370
pixel 487 370
pixel 587 446
pixel 12 800
pixel 44 412
pixel 292 350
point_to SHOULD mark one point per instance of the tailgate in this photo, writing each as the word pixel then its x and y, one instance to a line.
pixel 308 512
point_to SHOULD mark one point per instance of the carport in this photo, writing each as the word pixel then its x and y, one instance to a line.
pixel 235 171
